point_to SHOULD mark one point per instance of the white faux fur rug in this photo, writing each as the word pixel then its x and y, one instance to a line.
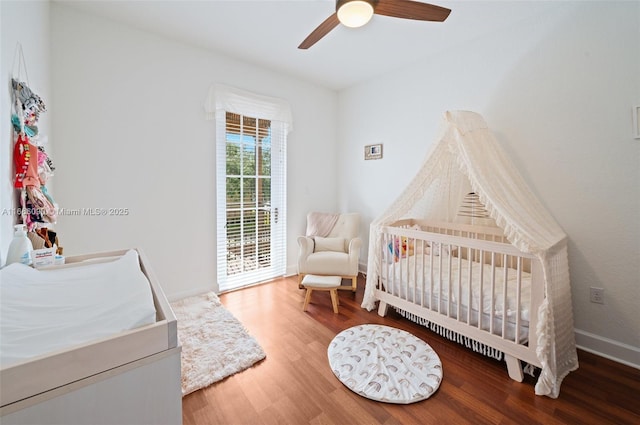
pixel 214 343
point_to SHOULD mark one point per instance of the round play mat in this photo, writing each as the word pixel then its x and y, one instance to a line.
pixel 385 364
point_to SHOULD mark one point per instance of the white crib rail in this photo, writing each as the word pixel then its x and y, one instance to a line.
pixel 437 289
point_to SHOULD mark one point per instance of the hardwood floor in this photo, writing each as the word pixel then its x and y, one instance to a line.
pixel 294 384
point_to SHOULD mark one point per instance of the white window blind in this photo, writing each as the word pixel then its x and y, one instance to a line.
pixel 251 136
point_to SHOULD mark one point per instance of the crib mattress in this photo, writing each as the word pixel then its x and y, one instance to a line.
pixel 69 322
pixel 411 276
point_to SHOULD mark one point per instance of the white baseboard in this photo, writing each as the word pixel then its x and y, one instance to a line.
pixel 190 293
pixel 291 270
pixel 608 348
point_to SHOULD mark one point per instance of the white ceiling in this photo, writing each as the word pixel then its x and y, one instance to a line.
pixel 267 32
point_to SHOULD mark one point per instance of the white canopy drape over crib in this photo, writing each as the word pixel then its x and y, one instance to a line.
pixel 467 157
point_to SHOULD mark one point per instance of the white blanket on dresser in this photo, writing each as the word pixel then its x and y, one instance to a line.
pixel 42 311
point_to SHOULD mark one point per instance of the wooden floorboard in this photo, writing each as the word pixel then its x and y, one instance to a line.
pixel 294 384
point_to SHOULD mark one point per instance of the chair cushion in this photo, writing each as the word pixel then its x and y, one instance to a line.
pixel 328 244
pixel 321 281
pixel 347 226
pixel 333 263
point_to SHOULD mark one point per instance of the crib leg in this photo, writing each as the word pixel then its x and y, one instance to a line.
pixel 382 308
pixel 514 368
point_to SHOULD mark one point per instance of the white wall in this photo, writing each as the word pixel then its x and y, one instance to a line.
pixel 130 120
pixel 557 90
pixel 129 132
pixel 34 39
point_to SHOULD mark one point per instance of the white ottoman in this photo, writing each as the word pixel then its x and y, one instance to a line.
pixel 321 283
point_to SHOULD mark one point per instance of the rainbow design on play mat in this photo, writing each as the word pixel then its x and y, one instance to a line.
pixel 385 364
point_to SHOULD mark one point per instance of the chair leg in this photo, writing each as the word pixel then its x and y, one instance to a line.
pixel 307 298
pixel 300 277
pixel 334 300
pixel 354 283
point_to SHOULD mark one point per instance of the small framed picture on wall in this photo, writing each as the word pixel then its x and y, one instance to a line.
pixel 373 151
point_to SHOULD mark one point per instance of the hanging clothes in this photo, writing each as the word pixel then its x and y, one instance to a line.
pixel 22 158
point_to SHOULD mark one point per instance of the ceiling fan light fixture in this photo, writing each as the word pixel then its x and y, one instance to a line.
pixel 354 13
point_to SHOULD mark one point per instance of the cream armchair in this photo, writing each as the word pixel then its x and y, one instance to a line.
pixel 334 255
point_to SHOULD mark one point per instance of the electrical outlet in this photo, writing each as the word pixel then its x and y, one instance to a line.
pixel 597 295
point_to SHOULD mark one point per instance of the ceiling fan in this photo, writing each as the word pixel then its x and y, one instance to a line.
pixel 356 13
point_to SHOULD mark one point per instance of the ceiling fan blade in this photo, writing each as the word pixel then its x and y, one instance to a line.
pixel 323 29
pixel 409 9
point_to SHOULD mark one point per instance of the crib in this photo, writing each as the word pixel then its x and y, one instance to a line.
pixel 485 264
pixel 466 282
